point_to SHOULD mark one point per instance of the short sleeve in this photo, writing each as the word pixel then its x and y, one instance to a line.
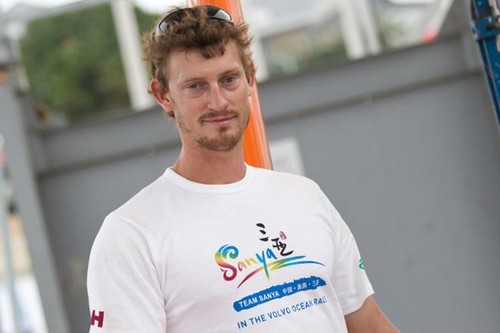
pixel 122 282
pixel 350 280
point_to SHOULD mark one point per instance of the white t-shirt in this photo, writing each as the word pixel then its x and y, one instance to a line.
pixel 269 252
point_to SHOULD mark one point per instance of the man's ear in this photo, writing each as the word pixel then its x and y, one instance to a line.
pixel 251 84
pixel 160 94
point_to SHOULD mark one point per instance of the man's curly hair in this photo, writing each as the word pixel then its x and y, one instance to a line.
pixel 195 31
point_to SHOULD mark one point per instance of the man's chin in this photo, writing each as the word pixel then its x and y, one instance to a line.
pixel 223 143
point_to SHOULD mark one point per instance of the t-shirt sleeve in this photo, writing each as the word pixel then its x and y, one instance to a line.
pixel 350 280
pixel 122 281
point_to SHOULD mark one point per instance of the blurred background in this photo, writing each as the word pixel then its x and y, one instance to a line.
pixel 75 70
pixel 382 102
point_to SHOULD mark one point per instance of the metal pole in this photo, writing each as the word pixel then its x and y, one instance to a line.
pixel 486 30
pixel 1 323
pixel 5 236
pixel 351 30
pixel 22 175
pixel 258 49
pixel 368 25
pixel 128 38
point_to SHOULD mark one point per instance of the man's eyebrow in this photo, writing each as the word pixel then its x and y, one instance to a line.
pixel 192 79
pixel 233 70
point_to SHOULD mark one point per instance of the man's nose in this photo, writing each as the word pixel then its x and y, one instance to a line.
pixel 216 99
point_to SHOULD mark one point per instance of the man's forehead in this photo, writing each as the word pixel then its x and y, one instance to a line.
pixel 191 62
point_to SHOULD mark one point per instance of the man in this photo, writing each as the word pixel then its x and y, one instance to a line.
pixel 215 245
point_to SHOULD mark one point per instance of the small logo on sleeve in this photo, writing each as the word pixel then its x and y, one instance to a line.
pixel 97 318
pixel 361 264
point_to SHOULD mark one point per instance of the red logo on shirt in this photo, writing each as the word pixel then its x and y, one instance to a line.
pixel 97 319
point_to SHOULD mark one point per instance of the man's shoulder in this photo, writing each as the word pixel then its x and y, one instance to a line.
pixel 283 177
pixel 142 201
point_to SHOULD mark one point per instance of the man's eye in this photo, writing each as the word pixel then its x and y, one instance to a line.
pixel 229 79
pixel 194 86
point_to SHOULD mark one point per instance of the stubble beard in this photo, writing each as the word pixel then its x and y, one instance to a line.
pixel 224 142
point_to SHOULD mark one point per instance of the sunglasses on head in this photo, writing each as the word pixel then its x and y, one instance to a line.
pixel 213 12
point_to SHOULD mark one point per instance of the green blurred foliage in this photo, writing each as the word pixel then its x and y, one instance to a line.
pixel 74 65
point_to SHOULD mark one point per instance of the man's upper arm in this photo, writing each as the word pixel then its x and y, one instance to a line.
pixel 122 284
pixel 369 319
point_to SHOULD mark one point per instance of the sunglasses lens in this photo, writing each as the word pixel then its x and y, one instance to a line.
pixel 218 14
pixel 213 12
pixel 163 25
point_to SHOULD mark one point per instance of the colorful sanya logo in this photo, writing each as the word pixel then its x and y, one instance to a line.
pixel 270 259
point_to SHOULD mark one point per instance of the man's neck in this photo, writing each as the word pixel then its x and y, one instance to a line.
pixel 211 167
